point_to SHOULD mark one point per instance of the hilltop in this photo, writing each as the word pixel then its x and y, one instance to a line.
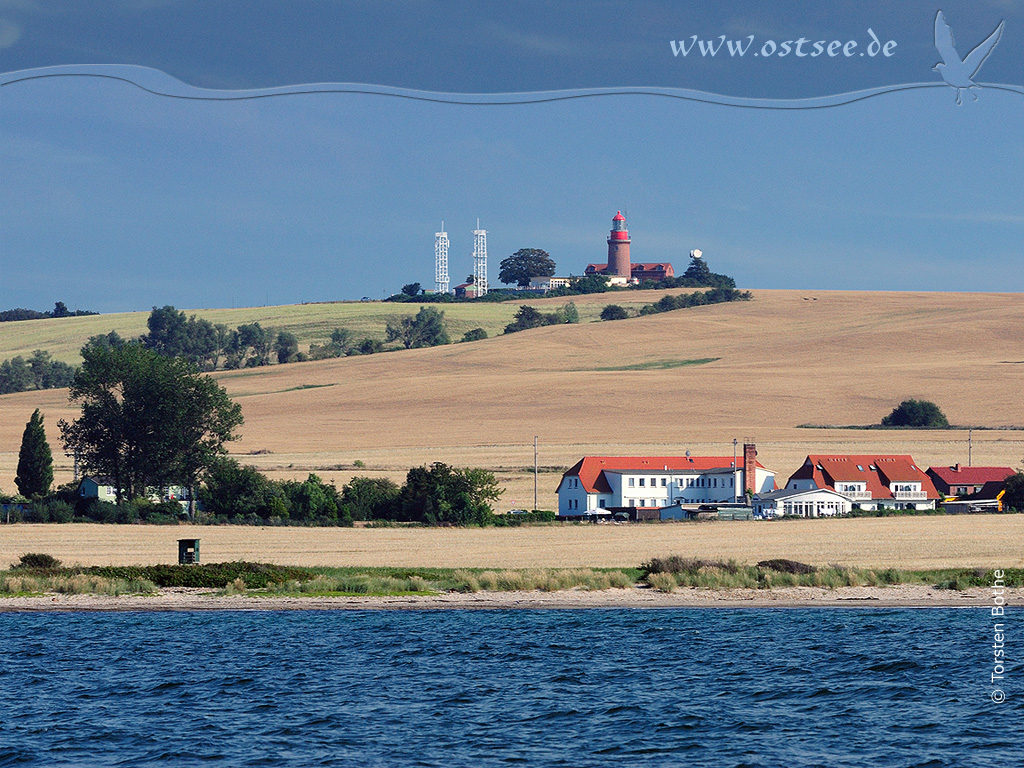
pixel 690 379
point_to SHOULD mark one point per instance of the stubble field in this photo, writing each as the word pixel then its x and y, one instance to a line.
pixel 629 387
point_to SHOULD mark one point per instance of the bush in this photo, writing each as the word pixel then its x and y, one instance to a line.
pixel 36 561
pixel 614 312
pixel 786 566
pixel 916 413
pixel 477 334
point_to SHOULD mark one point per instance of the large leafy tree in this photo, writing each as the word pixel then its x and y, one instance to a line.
pixel 426 329
pixel 35 462
pixel 147 420
pixel 524 264
pixel 444 495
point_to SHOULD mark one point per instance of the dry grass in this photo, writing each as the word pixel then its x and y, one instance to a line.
pixel 908 543
pixel 786 358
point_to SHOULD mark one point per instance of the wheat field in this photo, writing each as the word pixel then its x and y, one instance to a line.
pixel 784 359
pixel 907 542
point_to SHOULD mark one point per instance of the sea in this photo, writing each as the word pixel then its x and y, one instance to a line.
pixel 721 687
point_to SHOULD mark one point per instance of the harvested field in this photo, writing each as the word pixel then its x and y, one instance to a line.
pixel 784 359
pixel 906 543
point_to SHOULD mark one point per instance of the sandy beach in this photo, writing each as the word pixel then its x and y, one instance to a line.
pixel 183 599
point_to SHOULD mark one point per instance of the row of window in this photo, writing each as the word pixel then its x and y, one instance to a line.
pixel 691 482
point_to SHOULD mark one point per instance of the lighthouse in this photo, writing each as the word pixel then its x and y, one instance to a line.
pixel 618 248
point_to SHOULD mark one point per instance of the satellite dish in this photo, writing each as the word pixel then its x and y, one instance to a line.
pixel 696 253
pixel 687 453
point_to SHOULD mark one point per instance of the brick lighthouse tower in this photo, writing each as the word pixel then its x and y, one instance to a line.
pixel 618 248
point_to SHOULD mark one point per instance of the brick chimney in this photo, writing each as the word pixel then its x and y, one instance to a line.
pixel 749 467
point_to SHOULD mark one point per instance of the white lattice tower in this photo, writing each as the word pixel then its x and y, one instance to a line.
pixel 480 260
pixel 441 260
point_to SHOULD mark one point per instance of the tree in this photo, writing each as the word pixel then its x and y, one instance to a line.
pixel 147 421
pixel 614 312
pixel 916 413
pixel 1014 496
pixel 233 490
pixel 250 346
pixel 35 462
pixel 426 329
pixel 411 289
pixel 370 498
pixel 286 347
pixel 698 271
pixel 524 264
pixel 440 494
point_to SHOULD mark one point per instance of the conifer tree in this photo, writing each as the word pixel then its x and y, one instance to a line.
pixel 35 462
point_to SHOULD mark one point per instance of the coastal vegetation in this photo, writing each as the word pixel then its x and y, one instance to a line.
pixel 661 574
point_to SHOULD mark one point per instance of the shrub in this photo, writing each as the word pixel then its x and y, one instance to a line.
pixel 916 413
pixel 614 312
pixel 37 561
pixel 663 581
pixel 786 566
pixel 476 334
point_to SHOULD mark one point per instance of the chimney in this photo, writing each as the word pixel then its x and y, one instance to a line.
pixel 749 468
pixel 956 467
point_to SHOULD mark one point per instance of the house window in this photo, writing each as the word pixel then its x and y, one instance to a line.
pixel 630 482
pixel 600 503
pixel 642 481
pixel 664 482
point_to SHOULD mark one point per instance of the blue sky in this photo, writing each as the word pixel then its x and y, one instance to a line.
pixel 115 199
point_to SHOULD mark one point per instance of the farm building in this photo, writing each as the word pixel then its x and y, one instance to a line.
pixel 104 489
pixel 597 484
pixel 969 481
pixel 871 482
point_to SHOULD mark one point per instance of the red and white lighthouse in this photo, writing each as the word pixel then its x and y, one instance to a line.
pixel 618 248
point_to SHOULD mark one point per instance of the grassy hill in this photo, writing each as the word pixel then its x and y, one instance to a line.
pixel 626 387
pixel 311 323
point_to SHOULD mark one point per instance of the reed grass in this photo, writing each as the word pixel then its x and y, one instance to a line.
pixel 78 584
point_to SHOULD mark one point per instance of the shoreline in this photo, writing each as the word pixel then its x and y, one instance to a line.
pixel 184 599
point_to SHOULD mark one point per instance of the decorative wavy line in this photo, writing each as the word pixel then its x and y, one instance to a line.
pixel 161 84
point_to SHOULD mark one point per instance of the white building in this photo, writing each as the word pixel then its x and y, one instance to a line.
pixel 598 483
pixel 801 503
pixel 871 481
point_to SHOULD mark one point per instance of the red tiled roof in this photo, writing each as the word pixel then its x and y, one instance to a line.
pixel 877 471
pixel 590 469
pixel 971 475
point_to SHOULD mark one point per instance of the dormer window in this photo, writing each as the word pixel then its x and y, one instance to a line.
pixel 860 467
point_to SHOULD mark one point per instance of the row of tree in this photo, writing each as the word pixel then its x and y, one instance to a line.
pixel 40 371
pixel 60 309
pixel 434 495
pixel 529 317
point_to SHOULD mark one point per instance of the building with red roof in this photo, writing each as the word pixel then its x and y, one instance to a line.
pixel 871 481
pixel 597 484
pixel 968 481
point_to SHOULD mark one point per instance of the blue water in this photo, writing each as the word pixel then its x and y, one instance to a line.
pixel 709 687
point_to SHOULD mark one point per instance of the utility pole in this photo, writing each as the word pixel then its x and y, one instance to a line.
pixel 735 485
pixel 970 445
pixel 535 473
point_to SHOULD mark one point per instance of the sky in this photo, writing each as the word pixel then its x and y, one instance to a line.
pixel 118 198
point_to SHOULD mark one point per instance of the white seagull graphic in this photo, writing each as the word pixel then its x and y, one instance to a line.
pixel 955 71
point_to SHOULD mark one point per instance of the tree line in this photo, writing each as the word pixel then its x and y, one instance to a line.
pixel 150 422
pixel 60 309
